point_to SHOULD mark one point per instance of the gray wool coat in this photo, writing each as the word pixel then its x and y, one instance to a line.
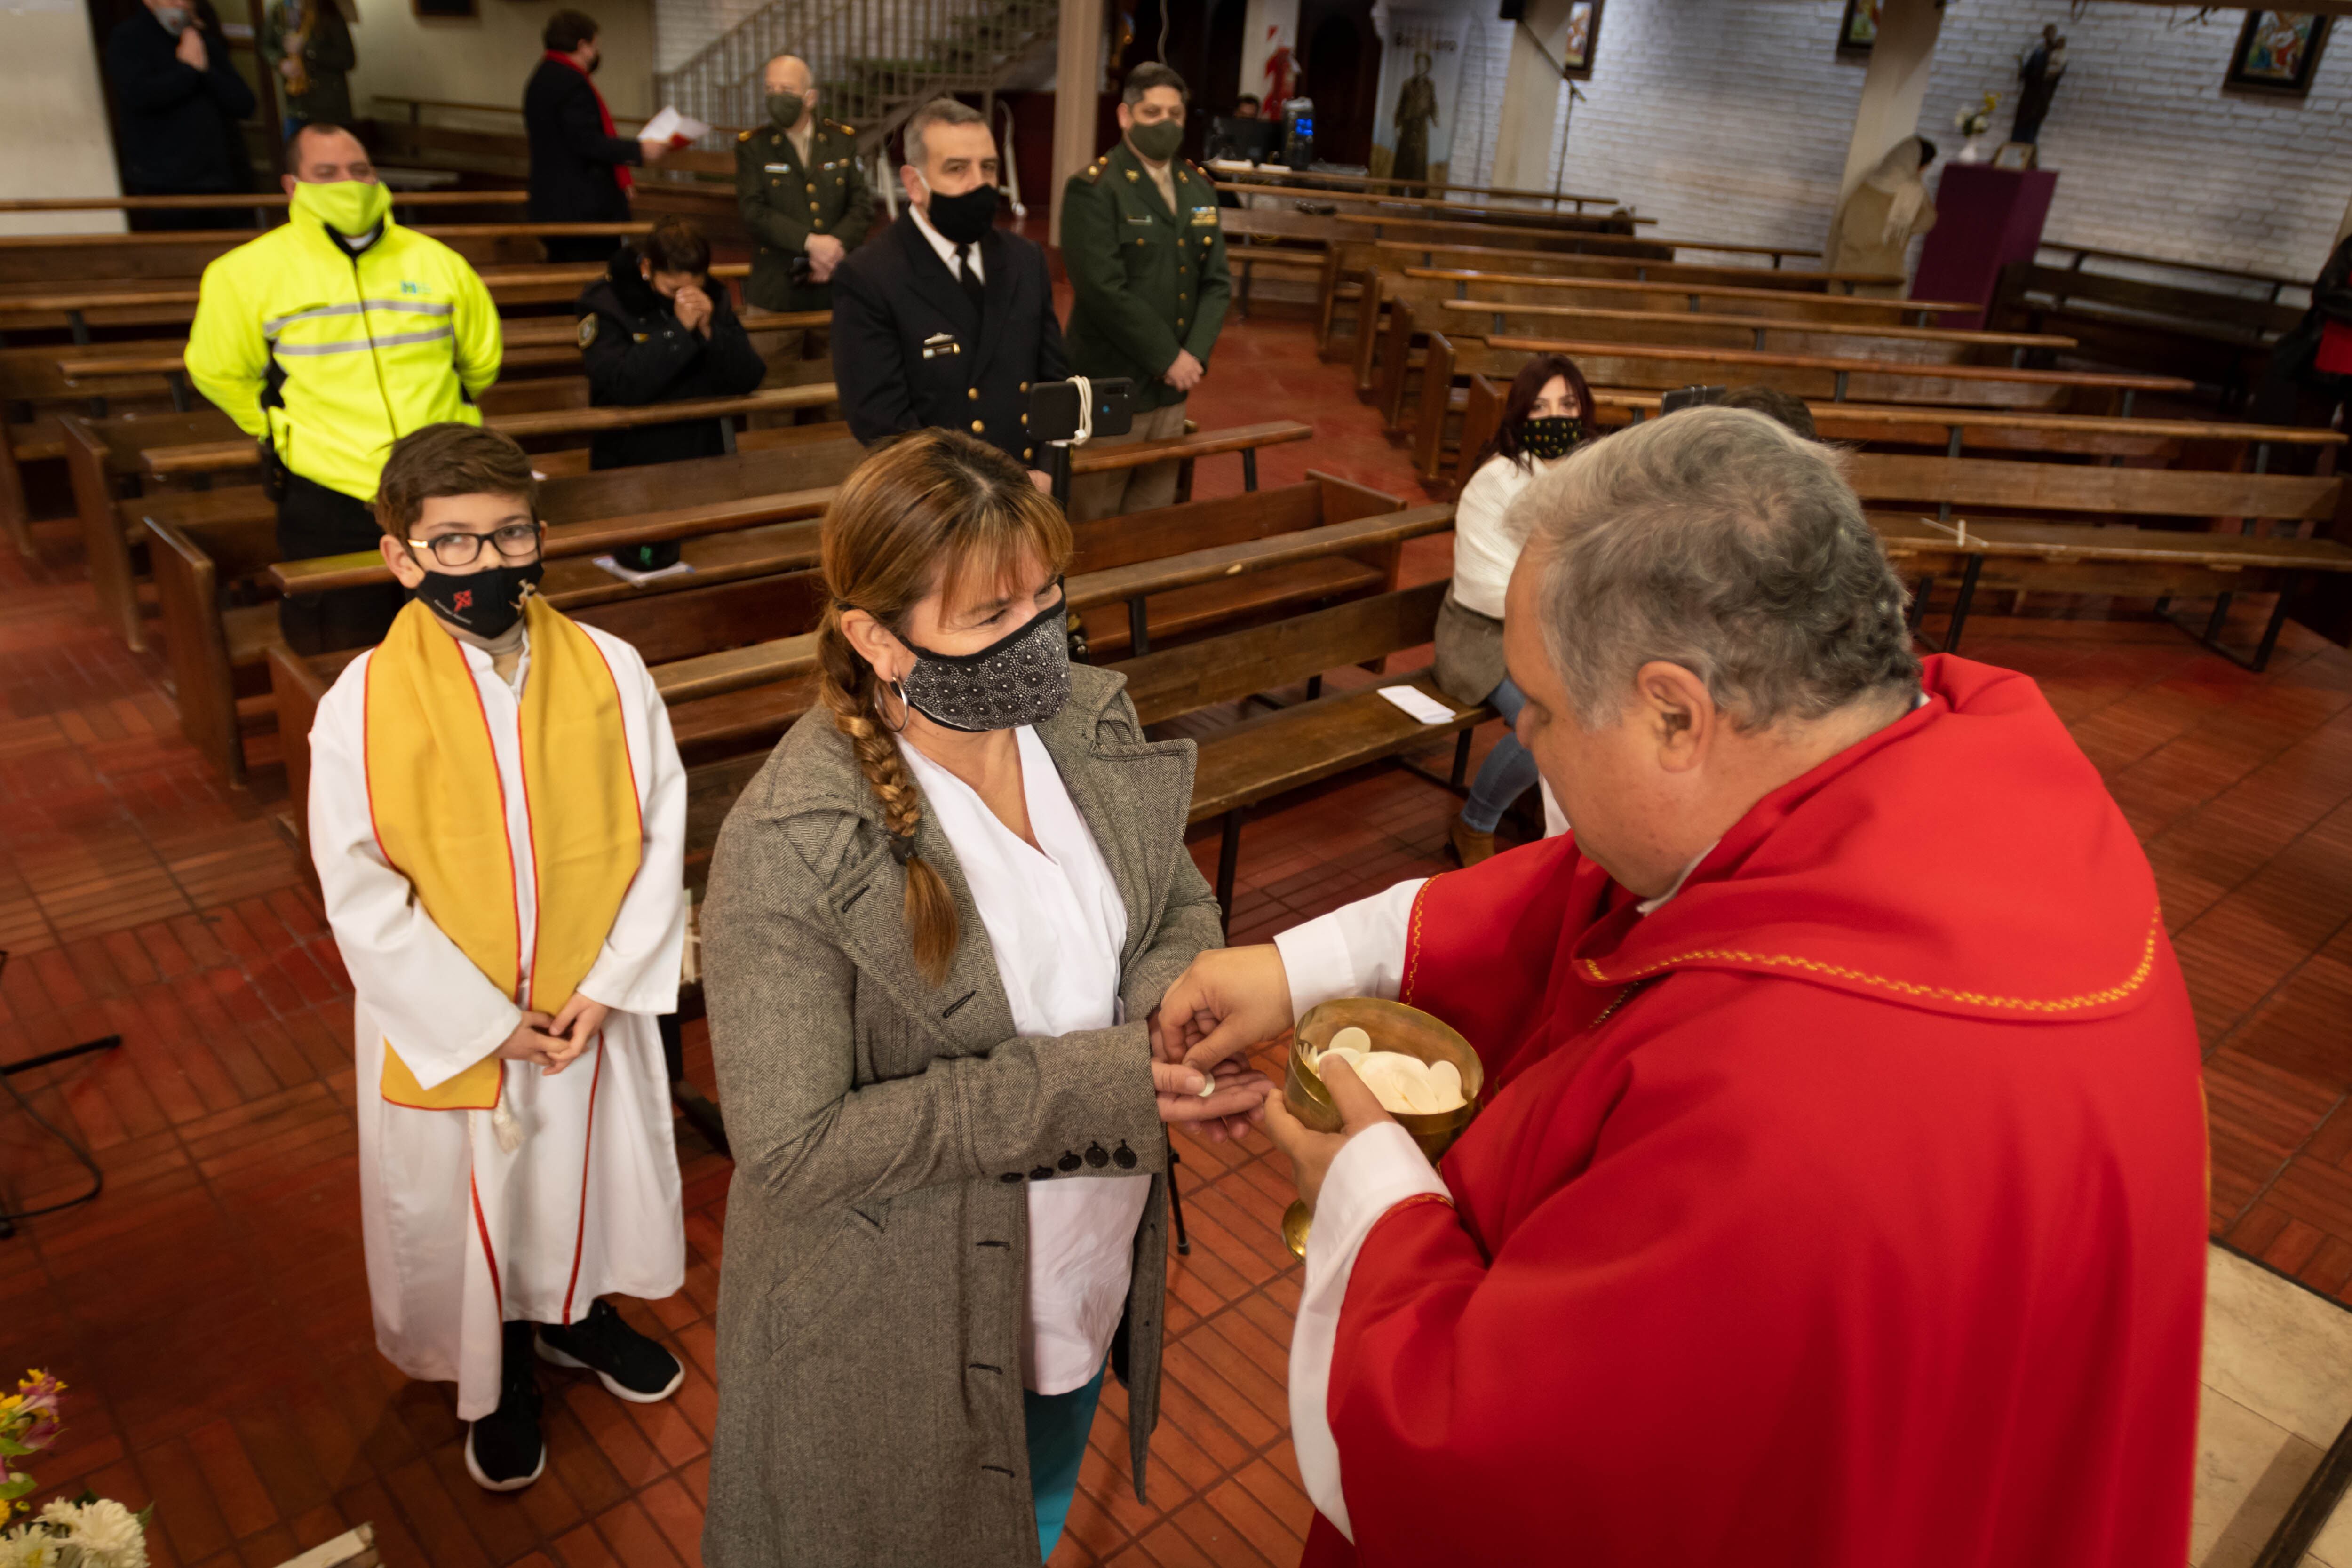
pixel 885 1133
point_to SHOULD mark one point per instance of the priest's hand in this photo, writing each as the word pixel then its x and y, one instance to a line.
pixel 1230 999
pixel 530 1041
pixel 1311 1153
pixel 573 1028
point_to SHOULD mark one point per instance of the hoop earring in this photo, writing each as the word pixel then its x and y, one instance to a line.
pixel 906 709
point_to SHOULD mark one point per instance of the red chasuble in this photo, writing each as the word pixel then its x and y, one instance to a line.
pixel 1848 1211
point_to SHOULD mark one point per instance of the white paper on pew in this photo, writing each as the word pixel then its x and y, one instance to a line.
pixel 1418 704
pixel 639 579
pixel 670 126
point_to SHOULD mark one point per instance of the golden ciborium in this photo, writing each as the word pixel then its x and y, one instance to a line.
pixel 1394 1026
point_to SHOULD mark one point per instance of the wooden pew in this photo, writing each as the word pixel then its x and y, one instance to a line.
pixel 1292 182
pixel 2163 442
pixel 1354 260
pixel 37 259
pixel 727 705
pixel 216 647
pixel 1815 378
pixel 206 445
pixel 734 535
pixel 2221 339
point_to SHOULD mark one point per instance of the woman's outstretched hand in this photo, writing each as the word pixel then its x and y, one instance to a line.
pixel 1235 1101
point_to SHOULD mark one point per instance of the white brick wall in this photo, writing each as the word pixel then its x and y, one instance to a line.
pixel 1729 119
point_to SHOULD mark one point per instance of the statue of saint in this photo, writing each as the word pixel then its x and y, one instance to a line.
pixel 2040 69
pixel 1416 112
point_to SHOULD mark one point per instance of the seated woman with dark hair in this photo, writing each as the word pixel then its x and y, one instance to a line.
pixel 1547 414
pixel 653 330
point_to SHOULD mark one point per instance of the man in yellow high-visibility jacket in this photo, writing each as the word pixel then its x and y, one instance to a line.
pixel 327 339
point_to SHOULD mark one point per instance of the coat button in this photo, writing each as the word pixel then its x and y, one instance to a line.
pixel 972 393
pixel 1010 1176
pixel 1024 386
pixel 1070 1161
pixel 1027 452
pixel 1098 1156
pixel 1123 1156
pixel 1025 419
pixel 1041 1173
pixel 976 427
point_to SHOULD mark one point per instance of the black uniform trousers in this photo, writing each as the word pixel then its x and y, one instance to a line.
pixel 313 520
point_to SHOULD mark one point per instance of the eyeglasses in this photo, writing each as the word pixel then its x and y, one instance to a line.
pixel 516 541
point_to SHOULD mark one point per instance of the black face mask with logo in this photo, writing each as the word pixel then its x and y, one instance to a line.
pixel 485 603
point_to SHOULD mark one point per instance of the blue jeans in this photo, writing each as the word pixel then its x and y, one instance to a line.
pixel 1509 771
pixel 1058 1424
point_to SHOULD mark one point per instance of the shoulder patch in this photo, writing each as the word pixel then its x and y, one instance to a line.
pixel 587 333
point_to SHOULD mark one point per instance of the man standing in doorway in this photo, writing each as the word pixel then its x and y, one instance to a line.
pixel 327 339
pixel 579 169
pixel 1147 262
pixel 803 198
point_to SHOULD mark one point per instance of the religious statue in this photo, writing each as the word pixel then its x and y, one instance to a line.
pixel 2041 70
pixel 1416 112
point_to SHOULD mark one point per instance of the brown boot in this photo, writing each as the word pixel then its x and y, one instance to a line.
pixel 1469 845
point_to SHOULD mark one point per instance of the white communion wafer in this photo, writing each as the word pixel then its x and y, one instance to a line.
pixel 1351 1039
pixel 1402 1083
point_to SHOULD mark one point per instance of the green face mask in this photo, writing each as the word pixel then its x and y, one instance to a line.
pixel 1159 140
pixel 348 206
pixel 785 109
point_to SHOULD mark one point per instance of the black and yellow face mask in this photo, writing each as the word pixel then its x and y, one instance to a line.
pixel 1550 438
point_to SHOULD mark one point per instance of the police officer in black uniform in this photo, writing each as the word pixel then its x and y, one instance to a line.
pixel 947 320
pixel 653 330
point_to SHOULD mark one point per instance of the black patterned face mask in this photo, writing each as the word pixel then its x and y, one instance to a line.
pixel 1021 679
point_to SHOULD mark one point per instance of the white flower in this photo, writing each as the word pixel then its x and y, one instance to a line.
pixel 108 1535
pixel 20 1550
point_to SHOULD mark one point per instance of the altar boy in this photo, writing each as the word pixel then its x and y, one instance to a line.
pixel 499 818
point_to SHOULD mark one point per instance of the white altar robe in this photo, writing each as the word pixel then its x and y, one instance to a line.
pixel 589 1204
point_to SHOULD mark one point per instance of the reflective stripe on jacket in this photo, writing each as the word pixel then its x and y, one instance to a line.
pixel 360 350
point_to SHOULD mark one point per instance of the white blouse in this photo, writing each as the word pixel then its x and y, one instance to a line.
pixel 1057 923
pixel 1483 552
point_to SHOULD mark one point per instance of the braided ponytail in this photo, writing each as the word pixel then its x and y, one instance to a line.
pixel 923 514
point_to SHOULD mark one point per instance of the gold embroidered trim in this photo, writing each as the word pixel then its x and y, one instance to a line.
pixel 1412 942
pixel 2138 978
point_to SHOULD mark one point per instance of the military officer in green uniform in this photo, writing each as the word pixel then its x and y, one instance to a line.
pixel 805 199
pixel 1147 263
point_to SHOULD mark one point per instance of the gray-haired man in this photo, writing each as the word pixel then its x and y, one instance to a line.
pixel 946 320
pixel 1839 1081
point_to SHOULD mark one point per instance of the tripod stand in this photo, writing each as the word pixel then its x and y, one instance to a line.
pixel 47 1058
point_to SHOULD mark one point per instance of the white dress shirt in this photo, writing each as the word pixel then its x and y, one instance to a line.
pixel 1057 924
pixel 946 246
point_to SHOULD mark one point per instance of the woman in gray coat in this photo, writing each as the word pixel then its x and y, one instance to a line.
pixel 940 921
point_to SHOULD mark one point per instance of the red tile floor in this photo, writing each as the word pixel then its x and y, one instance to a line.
pixel 210 1310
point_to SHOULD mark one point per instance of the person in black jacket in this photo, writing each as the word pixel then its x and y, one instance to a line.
pixel 178 100
pixel 579 169
pixel 654 329
pixel 946 320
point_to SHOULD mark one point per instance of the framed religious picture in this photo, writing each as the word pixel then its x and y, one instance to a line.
pixel 1858 28
pixel 1583 37
pixel 2014 155
pixel 2277 51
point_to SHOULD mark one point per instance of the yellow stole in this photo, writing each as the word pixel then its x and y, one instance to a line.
pixel 439 807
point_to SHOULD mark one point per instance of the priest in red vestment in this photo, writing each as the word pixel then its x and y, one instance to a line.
pixel 1838 1195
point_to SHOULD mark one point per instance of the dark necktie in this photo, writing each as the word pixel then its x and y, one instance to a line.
pixel 972 286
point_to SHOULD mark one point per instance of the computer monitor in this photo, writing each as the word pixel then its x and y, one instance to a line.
pixel 1255 140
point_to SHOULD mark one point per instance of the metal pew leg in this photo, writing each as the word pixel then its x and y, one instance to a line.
pixel 1229 854
pixel 2211 635
pixel 1959 606
pixel 1249 467
pixel 1139 631
pixel 1460 776
pixel 1919 603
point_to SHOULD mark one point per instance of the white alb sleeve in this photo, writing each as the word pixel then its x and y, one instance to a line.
pixel 1356 949
pixel 1376 1170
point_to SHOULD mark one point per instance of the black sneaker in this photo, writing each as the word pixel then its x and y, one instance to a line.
pixel 628 1364
pixel 503 1451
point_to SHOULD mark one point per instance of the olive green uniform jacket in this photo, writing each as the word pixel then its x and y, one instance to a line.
pixel 782 204
pixel 1147 283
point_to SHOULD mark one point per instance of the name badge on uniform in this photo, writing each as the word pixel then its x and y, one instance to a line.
pixel 939 343
pixel 1204 217
pixel 1145 220
pixel 779 168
